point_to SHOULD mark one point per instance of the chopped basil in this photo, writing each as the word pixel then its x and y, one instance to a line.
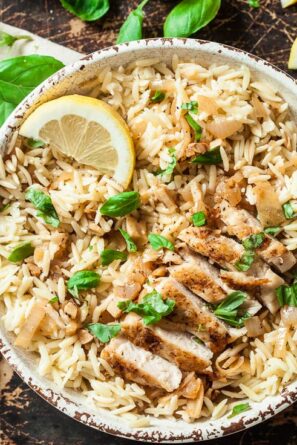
pixel 195 126
pixel 190 106
pixel 82 280
pixel 5 207
pixel 44 205
pixel 211 157
pixel 197 340
pixel 227 310
pixel 237 409
pixel 104 332
pixel 159 242
pixel 171 166
pixel 158 96
pixel 131 246
pixel 34 143
pixel 288 210
pixel 287 295
pixel 245 261
pixel 110 255
pixel 90 248
pixel 121 204
pixel 254 3
pixel 54 300
pixel 199 219
pixel 20 252
pixel 273 231
pixel 254 241
pixel 151 309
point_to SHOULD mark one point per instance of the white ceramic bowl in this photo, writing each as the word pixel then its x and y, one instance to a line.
pixel 71 80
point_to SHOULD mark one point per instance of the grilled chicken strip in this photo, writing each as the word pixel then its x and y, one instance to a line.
pixel 242 224
pixel 141 366
pixel 176 347
pixel 195 315
pixel 239 280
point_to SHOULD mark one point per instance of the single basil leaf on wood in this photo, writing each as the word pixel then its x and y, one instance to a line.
pixel 189 16
pixel 104 332
pixel 240 408
pixel 19 76
pixel 131 29
pixel 110 255
pixel 121 204
pixel 159 242
pixel 199 219
pixel 8 39
pixel 211 157
pixel 131 246
pixel 82 280
pixel 86 10
pixel 20 252
pixel 44 205
pixel 195 126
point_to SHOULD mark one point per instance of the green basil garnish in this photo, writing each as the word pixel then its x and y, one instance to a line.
pixel 287 295
pixel 4 207
pixel 86 10
pixel 131 29
pixel 8 39
pixel 254 241
pixel 158 96
pixel 254 3
pixel 121 204
pixel 211 157
pixel 288 210
pixel 110 255
pixel 195 126
pixel 188 16
pixel 54 300
pixel 159 242
pixel 199 219
pixel 104 332
pixel 131 246
pixel 227 310
pixel 151 309
pixel 20 252
pixel 273 231
pixel 44 205
pixel 35 143
pixel 82 280
pixel 239 409
pixel 190 106
pixel 170 167
pixel 245 261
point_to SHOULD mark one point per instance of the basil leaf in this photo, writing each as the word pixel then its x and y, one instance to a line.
pixel 227 310
pixel 288 210
pixel 159 242
pixel 287 295
pixel 171 166
pixel 104 332
pixel 189 16
pixel 131 246
pixel 273 231
pixel 19 76
pixel 110 255
pixel 254 241
pixel 20 252
pixel 211 157
pixel 54 300
pixel 239 409
pixel 195 126
pixel 131 29
pixel 245 261
pixel 190 106
pixel 86 10
pixel 121 204
pixel 43 203
pixel 82 280
pixel 4 207
pixel 35 143
pixel 199 219
pixel 254 3
pixel 158 96
pixel 152 308
pixel 8 39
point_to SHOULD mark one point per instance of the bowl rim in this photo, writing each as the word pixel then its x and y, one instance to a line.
pixel 9 352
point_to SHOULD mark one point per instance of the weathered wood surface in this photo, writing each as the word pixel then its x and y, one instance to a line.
pixel 267 32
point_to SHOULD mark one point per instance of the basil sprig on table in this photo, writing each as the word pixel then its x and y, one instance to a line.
pixel 199 219
pixel 8 39
pixel 121 204
pixel 211 157
pixel 82 280
pixel 87 10
pixel 104 332
pixel 21 252
pixel 110 255
pixel 152 307
pixel 159 242
pixel 158 96
pixel 19 76
pixel 240 408
pixel 190 106
pixel 287 295
pixel 131 246
pixel 227 310
pixel 44 205
pixel 189 16
pixel 195 127
pixel 131 29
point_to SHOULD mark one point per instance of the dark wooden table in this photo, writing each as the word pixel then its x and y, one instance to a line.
pixel 267 32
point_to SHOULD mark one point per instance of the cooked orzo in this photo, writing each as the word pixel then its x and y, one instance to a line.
pixel 174 297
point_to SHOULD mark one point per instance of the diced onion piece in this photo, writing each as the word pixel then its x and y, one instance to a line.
pixel 254 327
pixel 289 316
pixel 31 324
pixel 281 342
pixel 223 128
pixel 259 109
pixel 270 212
pixel 207 105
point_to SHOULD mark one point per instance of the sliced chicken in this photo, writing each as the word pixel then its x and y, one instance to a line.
pixel 242 224
pixel 195 315
pixel 239 280
pixel 141 366
pixel 210 243
pixel 176 347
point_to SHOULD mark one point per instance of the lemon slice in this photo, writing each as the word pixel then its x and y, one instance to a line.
pixel 292 65
pixel 87 130
pixel 286 3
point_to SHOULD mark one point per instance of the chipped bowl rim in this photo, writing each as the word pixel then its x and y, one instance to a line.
pixel 67 401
